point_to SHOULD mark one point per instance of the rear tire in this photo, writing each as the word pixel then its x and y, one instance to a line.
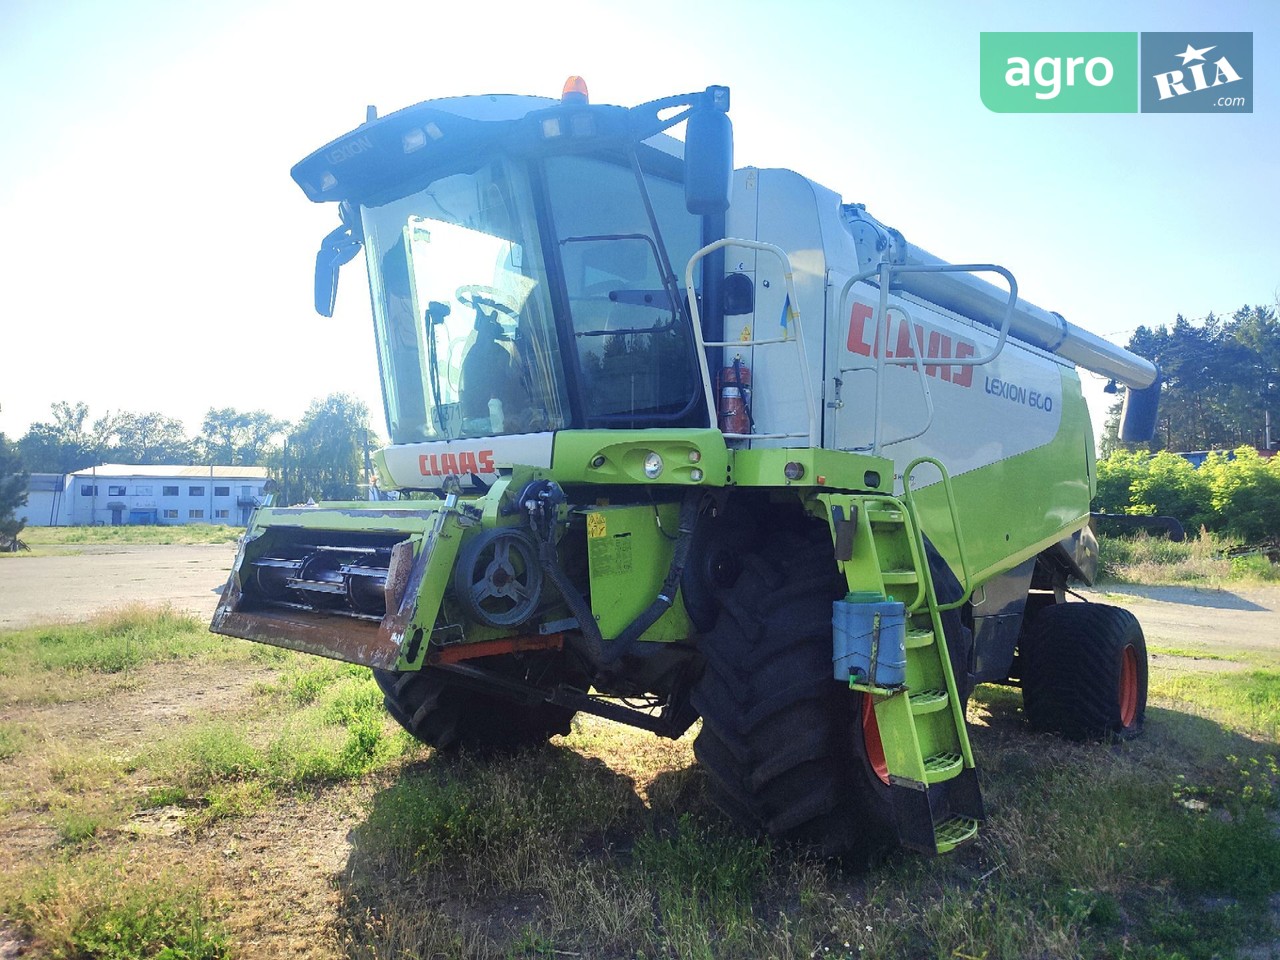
pixel 1084 672
pixel 440 712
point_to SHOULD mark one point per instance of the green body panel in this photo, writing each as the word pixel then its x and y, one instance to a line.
pixel 406 517
pixel 1013 509
pixel 617 456
pixel 443 550
pixel 830 469
pixel 629 555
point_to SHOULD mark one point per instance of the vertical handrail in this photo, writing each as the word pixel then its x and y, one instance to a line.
pixel 954 510
pixel 792 316
pixel 885 269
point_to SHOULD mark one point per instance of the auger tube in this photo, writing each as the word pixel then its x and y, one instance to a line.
pixel 973 297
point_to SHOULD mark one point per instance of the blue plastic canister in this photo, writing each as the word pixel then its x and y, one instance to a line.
pixel 861 622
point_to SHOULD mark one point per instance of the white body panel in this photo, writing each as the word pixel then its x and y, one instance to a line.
pixel 981 414
pixel 425 465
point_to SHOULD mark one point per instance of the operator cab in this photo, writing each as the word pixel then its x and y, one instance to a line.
pixel 523 258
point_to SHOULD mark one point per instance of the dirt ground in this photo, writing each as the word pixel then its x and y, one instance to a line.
pixel 86 579
pixel 295 853
pixel 1240 620
pixel 73 586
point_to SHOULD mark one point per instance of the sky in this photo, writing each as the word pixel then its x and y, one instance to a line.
pixel 156 256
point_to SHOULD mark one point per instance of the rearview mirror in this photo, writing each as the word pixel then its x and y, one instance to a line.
pixel 708 161
pixel 335 249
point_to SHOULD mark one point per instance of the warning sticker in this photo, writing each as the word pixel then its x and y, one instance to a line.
pixel 611 556
pixel 596 526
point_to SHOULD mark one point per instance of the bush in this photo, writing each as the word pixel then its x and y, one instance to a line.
pixel 1236 493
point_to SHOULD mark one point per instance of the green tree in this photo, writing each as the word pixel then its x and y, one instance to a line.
pixel 62 444
pixel 233 437
pixel 323 457
pixel 145 438
pixel 1245 493
pixel 1171 486
pixel 1219 379
pixel 13 491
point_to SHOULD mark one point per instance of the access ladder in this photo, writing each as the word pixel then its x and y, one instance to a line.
pixel 927 761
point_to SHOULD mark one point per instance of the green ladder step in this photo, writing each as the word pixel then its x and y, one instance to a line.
pixel 954 831
pixel 895 577
pixel 884 516
pixel 919 638
pixel 942 766
pixel 928 701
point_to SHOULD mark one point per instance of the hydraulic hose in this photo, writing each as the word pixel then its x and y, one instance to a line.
pixel 578 605
pixel 620 647
pixel 596 651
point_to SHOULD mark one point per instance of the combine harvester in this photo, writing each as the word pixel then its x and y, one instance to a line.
pixel 672 441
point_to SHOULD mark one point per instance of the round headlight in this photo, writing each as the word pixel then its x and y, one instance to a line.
pixel 653 466
pixel 695 475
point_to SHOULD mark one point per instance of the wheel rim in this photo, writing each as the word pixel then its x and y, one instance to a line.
pixel 871 741
pixel 1128 686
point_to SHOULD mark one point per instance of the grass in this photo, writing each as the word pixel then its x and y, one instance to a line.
pixel 321 723
pixel 1086 848
pixel 602 844
pixel 57 662
pixel 12 738
pixel 1247 701
pixel 36 537
pixel 1194 654
pixel 1200 561
pixel 108 908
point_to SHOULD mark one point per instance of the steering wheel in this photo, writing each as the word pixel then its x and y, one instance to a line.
pixel 477 295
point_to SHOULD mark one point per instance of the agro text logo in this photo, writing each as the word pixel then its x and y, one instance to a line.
pixel 1059 72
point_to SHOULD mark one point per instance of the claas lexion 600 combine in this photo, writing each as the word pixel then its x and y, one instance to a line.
pixel 672 442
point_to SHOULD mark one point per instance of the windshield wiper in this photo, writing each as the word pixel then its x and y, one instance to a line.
pixel 436 314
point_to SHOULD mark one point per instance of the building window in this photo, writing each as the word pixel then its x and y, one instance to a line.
pixel 170 491
pixel 222 491
pixel 221 514
pixel 246 491
pixel 195 491
pixel 143 492
pixel 171 514
pixel 115 491
pixel 195 514
pixel 89 490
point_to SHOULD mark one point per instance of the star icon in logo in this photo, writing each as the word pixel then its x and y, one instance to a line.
pixel 1191 53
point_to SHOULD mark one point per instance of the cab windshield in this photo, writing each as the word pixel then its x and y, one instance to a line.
pixel 467 281
pixel 461 311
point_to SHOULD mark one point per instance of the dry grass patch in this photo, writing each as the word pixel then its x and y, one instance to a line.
pixel 36 537
pixel 1206 560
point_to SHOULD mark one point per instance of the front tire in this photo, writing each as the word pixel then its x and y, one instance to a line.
pixel 1084 672
pixel 782 742
pixel 442 713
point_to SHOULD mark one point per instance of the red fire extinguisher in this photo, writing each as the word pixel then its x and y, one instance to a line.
pixel 734 390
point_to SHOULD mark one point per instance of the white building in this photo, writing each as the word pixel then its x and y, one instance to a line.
pixel 117 493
